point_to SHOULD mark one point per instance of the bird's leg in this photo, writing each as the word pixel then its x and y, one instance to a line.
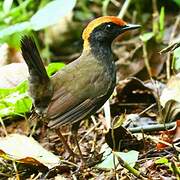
pixel 74 131
pixel 32 123
pixel 65 143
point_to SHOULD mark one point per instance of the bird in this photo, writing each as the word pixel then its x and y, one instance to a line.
pixel 78 90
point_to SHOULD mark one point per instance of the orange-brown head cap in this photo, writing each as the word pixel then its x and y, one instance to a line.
pixel 99 22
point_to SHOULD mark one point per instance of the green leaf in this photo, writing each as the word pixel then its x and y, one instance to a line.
pixel 7 5
pixel 19 27
pixel 146 36
pixel 15 101
pixel 54 67
pixel 160 33
pixel 161 19
pixel 176 58
pixel 108 163
pixel 130 157
pixel 51 13
pixel 43 18
pixel 13 40
pixel 177 2
pixel 161 160
pixel 22 88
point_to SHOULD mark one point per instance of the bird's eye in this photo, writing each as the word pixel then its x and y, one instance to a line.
pixel 108 27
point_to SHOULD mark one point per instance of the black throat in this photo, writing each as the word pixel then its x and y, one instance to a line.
pixel 103 53
pixel 101 50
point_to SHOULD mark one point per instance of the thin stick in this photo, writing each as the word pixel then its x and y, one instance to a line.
pixel 124 9
pixel 104 7
pixel 94 143
pixel 153 127
pixel 36 177
pixel 70 163
pixel 16 171
pixel 155 10
pixel 116 3
pixel 156 140
pixel 147 109
pixel 3 126
pixel 79 149
pixel 64 142
pixel 90 130
pixel 93 120
pixel 146 60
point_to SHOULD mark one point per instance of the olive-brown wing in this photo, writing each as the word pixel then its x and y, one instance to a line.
pixel 79 92
pixel 77 113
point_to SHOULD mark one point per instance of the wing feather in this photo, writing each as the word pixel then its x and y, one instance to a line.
pixel 78 91
pixel 75 114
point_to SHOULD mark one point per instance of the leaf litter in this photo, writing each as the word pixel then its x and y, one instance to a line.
pixel 143 100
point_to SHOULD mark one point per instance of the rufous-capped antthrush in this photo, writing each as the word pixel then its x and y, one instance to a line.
pixel 79 89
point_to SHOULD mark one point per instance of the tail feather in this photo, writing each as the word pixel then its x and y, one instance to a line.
pixel 40 86
pixel 32 57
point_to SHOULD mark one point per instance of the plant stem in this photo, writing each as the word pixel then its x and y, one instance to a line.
pixel 3 126
pixel 124 9
pixel 146 60
pixel 134 171
pixel 104 7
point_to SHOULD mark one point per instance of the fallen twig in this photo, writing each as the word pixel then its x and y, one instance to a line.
pixel 152 127
pixel 157 140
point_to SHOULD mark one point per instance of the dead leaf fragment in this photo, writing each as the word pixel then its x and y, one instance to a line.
pixel 170 112
pixel 172 91
pixel 120 138
pixel 26 150
pixel 169 136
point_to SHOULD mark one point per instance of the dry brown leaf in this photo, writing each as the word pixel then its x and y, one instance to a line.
pixel 25 149
pixel 172 91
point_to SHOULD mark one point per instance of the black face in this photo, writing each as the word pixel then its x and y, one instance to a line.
pixel 106 32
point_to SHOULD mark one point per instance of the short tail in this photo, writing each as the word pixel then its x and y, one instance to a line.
pixel 32 58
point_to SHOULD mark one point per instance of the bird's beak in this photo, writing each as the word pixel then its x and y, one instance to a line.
pixel 131 27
